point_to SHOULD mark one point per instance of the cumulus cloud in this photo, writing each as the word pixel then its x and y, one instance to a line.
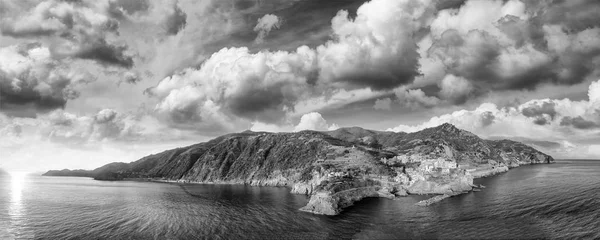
pixel 312 121
pixel 309 121
pixel 30 78
pixel 236 82
pixel 366 53
pixel 264 26
pixel 415 98
pixel 455 88
pixel 574 122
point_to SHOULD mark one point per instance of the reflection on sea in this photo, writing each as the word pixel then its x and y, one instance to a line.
pixel 16 207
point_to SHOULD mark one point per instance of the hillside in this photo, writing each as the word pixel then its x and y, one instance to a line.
pixel 336 168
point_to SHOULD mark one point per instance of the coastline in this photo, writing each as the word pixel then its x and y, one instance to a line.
pixel 332 203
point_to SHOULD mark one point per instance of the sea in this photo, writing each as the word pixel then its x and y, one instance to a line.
pixel 547 201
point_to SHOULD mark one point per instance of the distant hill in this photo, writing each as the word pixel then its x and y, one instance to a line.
pixel 69 173
pixel 336 167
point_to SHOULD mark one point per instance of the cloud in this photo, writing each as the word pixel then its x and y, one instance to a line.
pixel 60 139
pixel 265 86
pixel 415 98
pixel 464 58
pixel 176 20
pixel 130 77
pixel 312 121
pixel 62 127
pixel 576 124
pixel 512 48
pixel 383 104
pixel 256 86
pixel 102 52
pixel 77 29
pixel 264 26
pixel 366 53
pixel 309 121
pixel 540 111
pixel 30 78
pixel 269 127
pixel 167 15
pixel 455 88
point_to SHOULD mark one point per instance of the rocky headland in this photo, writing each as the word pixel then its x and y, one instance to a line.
pixel 335 168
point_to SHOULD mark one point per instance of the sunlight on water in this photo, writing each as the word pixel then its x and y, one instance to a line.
pixel 16 207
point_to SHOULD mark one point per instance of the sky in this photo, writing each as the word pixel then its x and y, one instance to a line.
pixel 88 82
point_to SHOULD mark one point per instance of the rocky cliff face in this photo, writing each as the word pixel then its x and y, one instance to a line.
pixel 339 167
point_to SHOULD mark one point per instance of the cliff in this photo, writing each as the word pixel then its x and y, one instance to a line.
pixel 337 168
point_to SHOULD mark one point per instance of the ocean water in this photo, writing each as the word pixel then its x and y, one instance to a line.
pixel 557 201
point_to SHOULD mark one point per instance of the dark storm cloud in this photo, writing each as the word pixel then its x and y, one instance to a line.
pixel 105 53
pixel 14 100
pixel 549 42
pixel 382 77
pixel 31 80
pixel 578 122
pixel 448 4
pixel 28 94
pixel 82 26
pixel 547 108
pixel 476 55
pixel 261 104
pixel 541 121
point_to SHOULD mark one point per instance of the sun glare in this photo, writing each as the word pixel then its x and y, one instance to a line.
pixel 17 182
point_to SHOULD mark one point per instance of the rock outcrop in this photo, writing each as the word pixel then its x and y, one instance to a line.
pixel 336 168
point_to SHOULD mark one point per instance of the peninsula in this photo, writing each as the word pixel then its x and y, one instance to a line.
pixel 335 168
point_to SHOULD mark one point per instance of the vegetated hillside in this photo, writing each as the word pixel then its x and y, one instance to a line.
pixel 446 141
pixel 252 156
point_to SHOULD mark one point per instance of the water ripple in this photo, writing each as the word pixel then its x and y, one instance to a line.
pixel 558 201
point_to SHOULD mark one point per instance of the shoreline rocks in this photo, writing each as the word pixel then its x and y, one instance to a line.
pixel 432 200
pixel 486 172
